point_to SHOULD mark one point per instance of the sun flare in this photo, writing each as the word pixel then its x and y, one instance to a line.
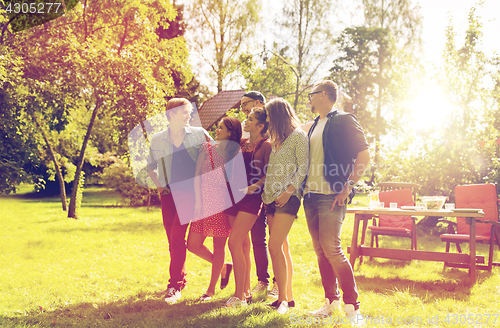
pixel 429 109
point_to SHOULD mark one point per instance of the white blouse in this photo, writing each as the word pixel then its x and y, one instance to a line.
pixel 287 166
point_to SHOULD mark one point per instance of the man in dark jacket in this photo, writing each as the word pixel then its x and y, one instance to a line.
pixel 338 158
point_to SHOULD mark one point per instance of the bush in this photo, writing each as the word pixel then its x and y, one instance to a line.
pixel 119 177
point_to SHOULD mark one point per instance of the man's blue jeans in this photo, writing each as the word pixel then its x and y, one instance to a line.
pixel 325 227
pixel 260 253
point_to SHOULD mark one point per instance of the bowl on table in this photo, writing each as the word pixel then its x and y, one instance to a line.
pixel 433 202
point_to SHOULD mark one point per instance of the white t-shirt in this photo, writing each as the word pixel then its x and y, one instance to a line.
pixel 316 182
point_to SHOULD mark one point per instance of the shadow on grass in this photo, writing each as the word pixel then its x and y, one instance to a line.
pixel 92 197
pixel 129 227
pixel 455 283
pixel 149 310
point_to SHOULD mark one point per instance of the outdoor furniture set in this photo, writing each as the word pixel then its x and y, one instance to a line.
pixel 477 222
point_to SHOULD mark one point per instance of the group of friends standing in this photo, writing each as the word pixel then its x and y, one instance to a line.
pixel 285 162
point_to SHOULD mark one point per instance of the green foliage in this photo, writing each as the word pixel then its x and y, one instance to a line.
pixel 237 113
pixel 172 28
pixel 363 67
pixel 19 155
pixel 119 177
pixel 274 78
pixel 102 59
pixel 464 149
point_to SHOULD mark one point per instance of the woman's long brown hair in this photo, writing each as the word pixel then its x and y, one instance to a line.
pixel 281 116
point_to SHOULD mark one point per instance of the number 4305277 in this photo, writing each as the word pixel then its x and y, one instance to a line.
pixel 33 8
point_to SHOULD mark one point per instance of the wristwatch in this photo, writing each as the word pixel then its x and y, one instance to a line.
pixel 351 183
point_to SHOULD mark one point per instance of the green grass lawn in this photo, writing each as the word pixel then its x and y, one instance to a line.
pixel 107 269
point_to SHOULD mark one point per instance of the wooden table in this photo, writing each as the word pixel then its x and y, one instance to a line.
pixel 365 214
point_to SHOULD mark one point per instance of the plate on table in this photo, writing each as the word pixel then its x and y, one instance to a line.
pixel 417 208
pixel 467 210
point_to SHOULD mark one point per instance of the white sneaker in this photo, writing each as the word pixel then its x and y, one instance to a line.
pixel 355 318
pixel 234 301
pixel 283 308
pixel 260 287
pixel 274 292
pixel 172 295
pixel 327 309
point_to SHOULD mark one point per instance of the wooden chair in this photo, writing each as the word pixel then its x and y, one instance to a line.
pixel 387 186
pixel 404 194
pixel 478 196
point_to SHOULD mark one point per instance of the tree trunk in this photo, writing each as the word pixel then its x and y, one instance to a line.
pixel 56 164
pixel 72 204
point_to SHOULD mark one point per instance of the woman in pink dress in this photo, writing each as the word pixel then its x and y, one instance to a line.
pixel 210 203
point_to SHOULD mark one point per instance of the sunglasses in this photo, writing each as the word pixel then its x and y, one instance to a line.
pixel 243 105
pixel 312 93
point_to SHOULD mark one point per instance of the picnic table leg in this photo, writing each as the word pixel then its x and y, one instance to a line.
pixel 354 241
pixel 472 251
pixel 363 235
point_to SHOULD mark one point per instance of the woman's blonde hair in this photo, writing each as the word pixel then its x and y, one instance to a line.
pixel 281 116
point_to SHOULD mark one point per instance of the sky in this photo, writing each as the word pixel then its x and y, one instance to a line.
pixel 436 15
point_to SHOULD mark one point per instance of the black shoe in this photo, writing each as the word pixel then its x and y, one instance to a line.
pixel 275 304
pixel 224 281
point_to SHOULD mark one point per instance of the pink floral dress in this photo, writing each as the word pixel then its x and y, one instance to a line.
pixel 213 186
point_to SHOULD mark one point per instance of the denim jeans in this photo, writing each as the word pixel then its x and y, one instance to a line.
pixel 260 253
pixel 325 227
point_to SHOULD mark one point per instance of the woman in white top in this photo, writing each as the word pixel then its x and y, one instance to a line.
pixel 286 171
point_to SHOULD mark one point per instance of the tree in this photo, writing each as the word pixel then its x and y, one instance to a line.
pixel 464 75
pixel 18 143
pixel 465 148
pixel 380 56
pixel 356 70
pixel 219 29
pixel 400 17
pixel 306 31
pixel 111 58
pixel 273 78
pixel 363 69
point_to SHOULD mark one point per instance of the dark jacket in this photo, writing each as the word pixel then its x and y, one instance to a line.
pixel 343 139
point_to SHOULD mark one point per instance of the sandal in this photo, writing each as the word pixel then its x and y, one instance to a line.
pixel 224 281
